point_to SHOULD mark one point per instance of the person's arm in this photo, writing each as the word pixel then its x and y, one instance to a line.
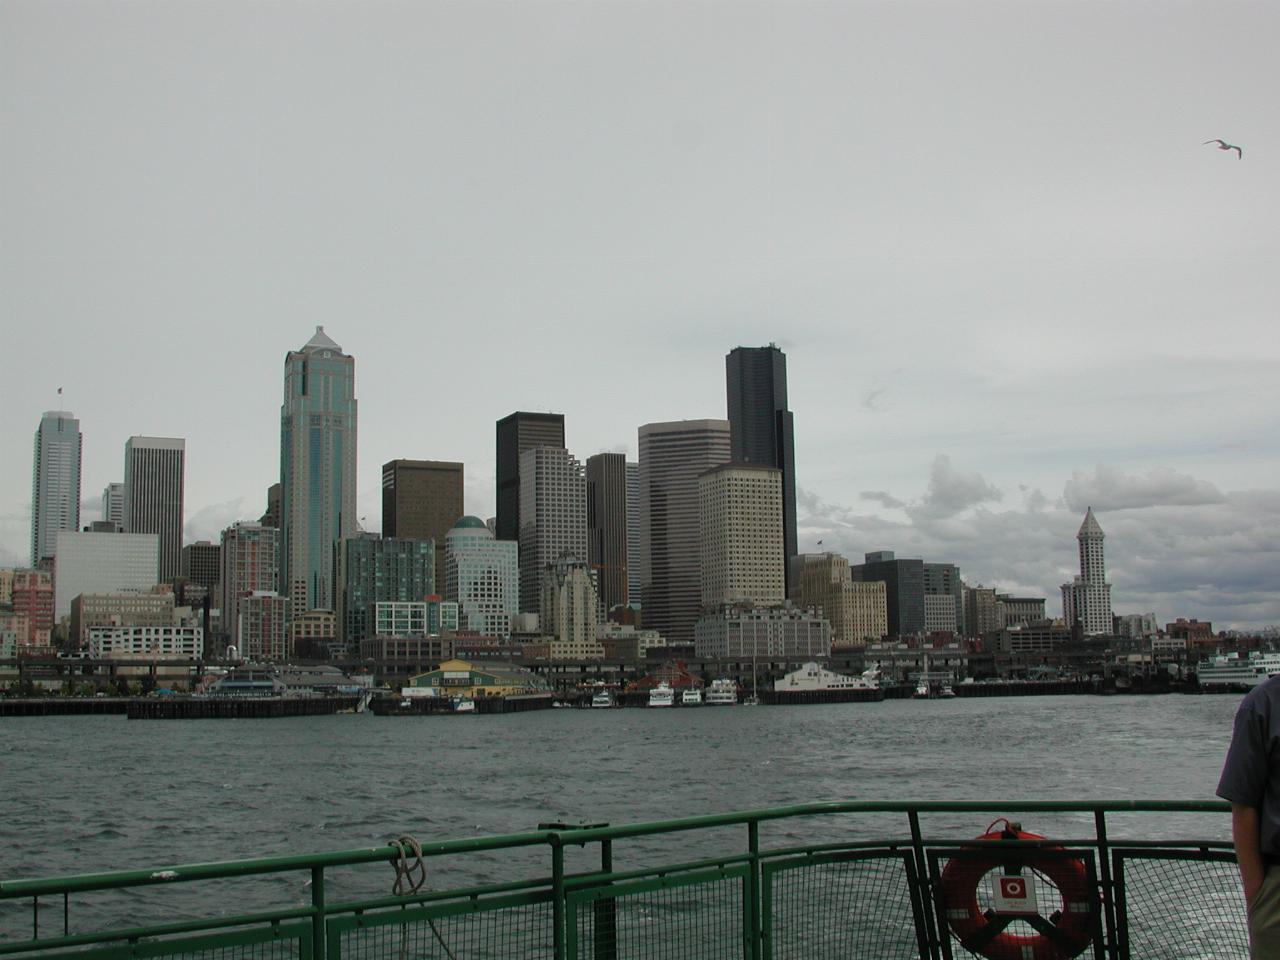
pixel 1245 837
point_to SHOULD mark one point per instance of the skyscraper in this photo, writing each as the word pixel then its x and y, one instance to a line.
pixel 153 495
pixel 55 482
pixel 1087 599
pixel 633 534
pixel 607 526
pixel 904 590
pixel 113 504
pixel 250 564
pixel 740 533
pixel 553 517
pixel 762 429
pixel 516 434
pixel 482 574
pixel 317 469
pixel 422 500
pixel 372 570
pixel 672 457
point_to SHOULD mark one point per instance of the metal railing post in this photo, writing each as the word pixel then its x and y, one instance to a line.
pixel 318 944
pixel 606 911
pixel 1108 885
pixel 557 896
pixel 753 885
pixel 924 891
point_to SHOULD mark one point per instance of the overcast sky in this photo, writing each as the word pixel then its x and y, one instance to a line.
pixel 1010 280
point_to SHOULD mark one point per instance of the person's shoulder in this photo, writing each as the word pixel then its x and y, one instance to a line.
pixel 1264 696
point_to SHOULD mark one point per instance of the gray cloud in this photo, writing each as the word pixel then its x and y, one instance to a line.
pixel 882 497
pixel 208 522
pixel 874 400
pixel 1109 488
pixel 951 491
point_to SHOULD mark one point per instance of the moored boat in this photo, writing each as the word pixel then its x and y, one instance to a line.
pixel 722 693
pixel 662 695
pixel 691 697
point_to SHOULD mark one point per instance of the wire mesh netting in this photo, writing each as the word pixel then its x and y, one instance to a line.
pixel 519 933
pixel 703 921
pixel 1181 909
pixel 847 908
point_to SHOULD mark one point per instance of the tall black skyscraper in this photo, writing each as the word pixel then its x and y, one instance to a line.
pixel 516 434
pixel 761 428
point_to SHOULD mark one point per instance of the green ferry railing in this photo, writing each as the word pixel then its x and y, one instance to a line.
pixel 864 896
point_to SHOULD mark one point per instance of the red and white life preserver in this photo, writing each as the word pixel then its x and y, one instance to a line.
pixel 1073 925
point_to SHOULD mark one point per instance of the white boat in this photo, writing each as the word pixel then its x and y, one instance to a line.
pixel 946 691
pixel 464 705
pixel 813 676
pixel 662 695
pixel 922 691
pixel 602 699
pixel 1232 670
pixel 691 697
pixel 722 693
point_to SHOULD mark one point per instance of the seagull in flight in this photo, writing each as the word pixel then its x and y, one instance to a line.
pixel 1223 145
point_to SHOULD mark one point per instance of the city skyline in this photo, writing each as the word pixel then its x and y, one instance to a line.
pixel 1008 287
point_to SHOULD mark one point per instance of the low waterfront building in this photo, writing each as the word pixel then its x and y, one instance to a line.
pixel 1040 637
pixel 622 641
pixel 167 642
pixel 461 678
pixel 407 650
pixel 744 631
pixel 90 610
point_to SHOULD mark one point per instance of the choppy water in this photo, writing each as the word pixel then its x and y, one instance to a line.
pixel 83 794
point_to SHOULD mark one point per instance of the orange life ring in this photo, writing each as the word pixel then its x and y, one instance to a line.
pixel 1064 935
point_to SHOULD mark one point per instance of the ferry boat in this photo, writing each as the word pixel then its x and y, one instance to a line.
pixel 692 697
pixel 812 676
pixel 1229 670
pixel 722 693
pixel 662 695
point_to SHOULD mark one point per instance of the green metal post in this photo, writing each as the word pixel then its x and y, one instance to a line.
pixel 317 916
pixel 606 911
pixel 557 896
pixel 753 886
pixel 1108 884
pixel 933 934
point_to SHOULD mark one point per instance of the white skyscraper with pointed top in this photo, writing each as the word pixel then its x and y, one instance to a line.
pixel 1087 599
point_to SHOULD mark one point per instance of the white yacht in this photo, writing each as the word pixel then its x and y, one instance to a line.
pixel 722 693
pixel 602 699
pixel 1232 670
pixel 662 695
pixel 691 697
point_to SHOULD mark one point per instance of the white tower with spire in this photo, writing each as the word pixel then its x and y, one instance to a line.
pixel 1087 599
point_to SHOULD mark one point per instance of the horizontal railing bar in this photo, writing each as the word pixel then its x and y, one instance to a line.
pixel 240 868
pixel 157 930
pixel 10 889
pixel 590 834
pixel 594 879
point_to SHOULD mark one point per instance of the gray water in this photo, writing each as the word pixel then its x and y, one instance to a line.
pixel 84 794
